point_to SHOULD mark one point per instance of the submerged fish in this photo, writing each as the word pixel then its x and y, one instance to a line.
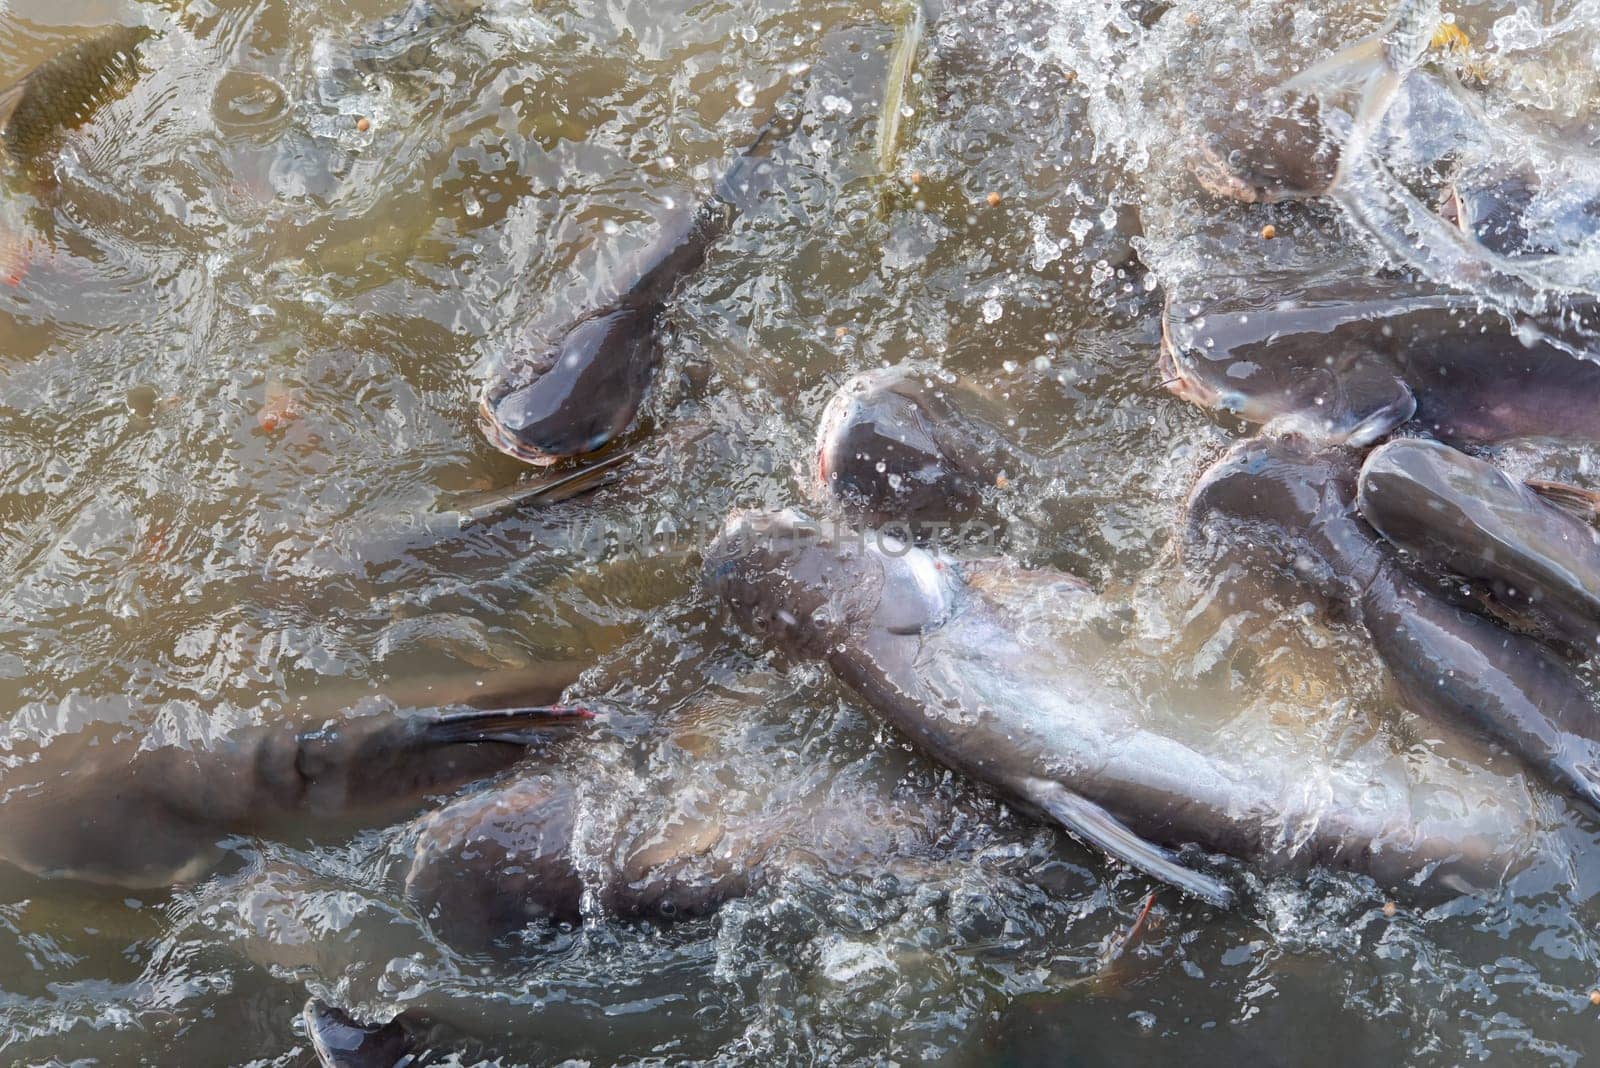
pixel 98 806
pixel 64 91
pixel 488 865
pixel 1287 509
pixel 1351 362
pixel 936 648
pixel 571 392
pixel 1458 512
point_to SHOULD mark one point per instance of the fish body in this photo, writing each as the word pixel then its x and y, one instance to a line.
pixel 572 395
pixel 97 806
pixel 1351 362
pixel 63 92
pixel 933 648
pixel 1287 508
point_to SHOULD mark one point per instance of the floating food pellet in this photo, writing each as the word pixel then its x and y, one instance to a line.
pixel 993 199
pixel 841 331
pixel 1594 997
pixel 1389 908
pixel 1001 481
pixel 363 125
pixel 1268 232
pixel 916 177
pixel 1192 19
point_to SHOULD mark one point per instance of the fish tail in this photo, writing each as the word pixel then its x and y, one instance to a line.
pixel 897 83
pixel 1351 66
pixel 1367 66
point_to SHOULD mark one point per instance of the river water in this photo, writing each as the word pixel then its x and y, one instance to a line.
pixel 240 343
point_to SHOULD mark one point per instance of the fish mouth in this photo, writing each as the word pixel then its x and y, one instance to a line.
pixel 1217 177
pixel 839 413
pixel 507 442
pixel 1175 377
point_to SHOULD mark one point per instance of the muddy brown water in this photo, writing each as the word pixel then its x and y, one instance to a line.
pixel 238 375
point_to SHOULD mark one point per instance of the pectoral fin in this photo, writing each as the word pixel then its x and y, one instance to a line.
pixel 1095 826
pixel 1583 503
pixel 514 726
pixel 479 507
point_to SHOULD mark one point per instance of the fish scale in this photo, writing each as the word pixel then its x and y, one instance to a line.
pixel 65 91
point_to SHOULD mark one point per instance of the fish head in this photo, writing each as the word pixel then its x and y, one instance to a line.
pixel 488 863
pixel 1276 148
pixel 809 589
pixel 1285 505
pixel 1278 365
pixel 899 445
pixel 1424 495
pixel 576 396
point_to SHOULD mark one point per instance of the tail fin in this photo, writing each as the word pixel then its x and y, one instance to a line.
pixel 897 82
pixel 1365 66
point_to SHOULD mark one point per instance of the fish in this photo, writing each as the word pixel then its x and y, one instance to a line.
pixel 1285 507
pixel 904 444
pixel 934 647
pixel 1278 149
pixel 491 863
pixel 1454 511
pixel 1375 67
pixel 340 1041
pixel 99 806
pixel 66 90
pixel 1502 215
pixel 570 392
pixel 1352 361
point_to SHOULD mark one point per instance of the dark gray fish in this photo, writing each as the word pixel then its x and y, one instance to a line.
pixel 1351 362
pixel 63 92
pixel 903 445
pixel 339 1041
pixel 1503 215
pixel 488 865
pixel 1466 515
pixel 936 649
pixel 100 807
pixel 569 391
pixel 1282 506
pixel 1278 149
